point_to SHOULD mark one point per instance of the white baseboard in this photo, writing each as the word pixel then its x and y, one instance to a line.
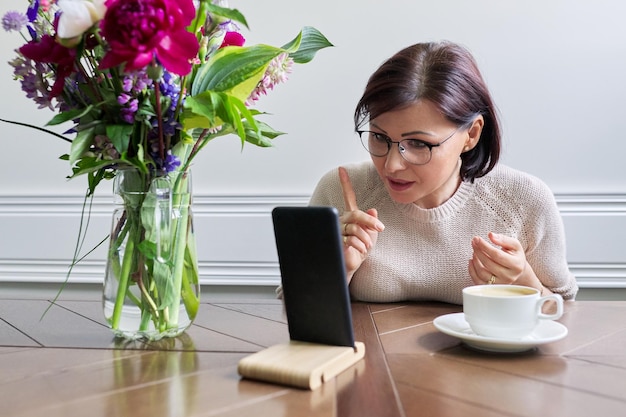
pixel 236 243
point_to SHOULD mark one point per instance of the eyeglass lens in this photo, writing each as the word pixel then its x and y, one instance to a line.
pixel 412 150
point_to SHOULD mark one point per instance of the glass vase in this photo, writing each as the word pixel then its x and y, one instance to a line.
pixel 151 287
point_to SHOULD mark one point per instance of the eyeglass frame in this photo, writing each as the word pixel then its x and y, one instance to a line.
pixel 389 142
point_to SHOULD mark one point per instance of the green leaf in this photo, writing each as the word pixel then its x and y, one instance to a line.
pixel 69 115
pixel 263 136
pixel 159 235
pixel 190 277
pixel 90 164
pixel 201 111
pixel 234 69
pixel 148 249
pixel 183 148
pixel 81 144
pixel 232 115
pixel 293 45
pixel 94 178
pixel 145 110
pixel 139 161
pixel 211 109
pixel 236 111
pixel 304 46
pixel 95 169
pixel 165 284
pixel 120 136
pixel 232 14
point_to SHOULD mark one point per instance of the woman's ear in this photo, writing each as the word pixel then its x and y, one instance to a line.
pixel 473 133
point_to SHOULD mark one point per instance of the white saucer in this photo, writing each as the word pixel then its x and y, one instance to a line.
pixel 455 325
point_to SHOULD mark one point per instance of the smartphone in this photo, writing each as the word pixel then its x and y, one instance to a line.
pixel 313 274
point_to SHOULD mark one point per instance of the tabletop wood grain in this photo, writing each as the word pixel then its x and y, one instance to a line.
pixel 68 364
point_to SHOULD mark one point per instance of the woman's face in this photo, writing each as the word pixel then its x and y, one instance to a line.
pixel 432 184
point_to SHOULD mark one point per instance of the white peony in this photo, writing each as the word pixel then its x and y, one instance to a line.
pixel 78 16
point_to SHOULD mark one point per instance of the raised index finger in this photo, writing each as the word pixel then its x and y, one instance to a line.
pixel 348 192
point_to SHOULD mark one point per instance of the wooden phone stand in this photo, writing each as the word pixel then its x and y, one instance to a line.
pixel 300 364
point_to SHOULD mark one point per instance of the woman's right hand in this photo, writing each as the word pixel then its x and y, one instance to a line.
pixel 359 228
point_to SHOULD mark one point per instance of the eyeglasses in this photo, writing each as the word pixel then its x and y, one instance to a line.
pixel 414 151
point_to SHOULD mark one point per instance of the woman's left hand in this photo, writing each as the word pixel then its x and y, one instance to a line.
pixel 504 263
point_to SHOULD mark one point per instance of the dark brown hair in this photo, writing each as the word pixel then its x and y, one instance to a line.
pixel 447 75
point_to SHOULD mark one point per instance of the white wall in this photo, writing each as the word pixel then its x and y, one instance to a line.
pixel 555 67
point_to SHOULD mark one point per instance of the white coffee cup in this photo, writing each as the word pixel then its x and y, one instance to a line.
pixel 506 311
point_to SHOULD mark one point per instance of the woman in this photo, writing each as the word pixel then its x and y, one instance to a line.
pixel 433 211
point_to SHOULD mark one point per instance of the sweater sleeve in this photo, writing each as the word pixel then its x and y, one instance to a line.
pixel 544 237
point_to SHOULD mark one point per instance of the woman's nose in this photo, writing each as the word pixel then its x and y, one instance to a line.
pixel 395 161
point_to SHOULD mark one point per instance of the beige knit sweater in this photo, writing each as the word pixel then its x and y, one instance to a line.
pixel 424 254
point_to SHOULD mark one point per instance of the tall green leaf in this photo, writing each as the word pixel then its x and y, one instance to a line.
pixel 304 46
pixel 234 69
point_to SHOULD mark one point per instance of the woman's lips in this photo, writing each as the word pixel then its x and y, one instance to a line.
pixel 399 185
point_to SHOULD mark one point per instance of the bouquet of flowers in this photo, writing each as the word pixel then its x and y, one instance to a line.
pixel 145 85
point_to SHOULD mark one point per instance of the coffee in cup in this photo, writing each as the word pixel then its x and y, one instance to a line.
pixel 506 311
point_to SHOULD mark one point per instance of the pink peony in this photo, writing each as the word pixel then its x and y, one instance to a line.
pixel 138 31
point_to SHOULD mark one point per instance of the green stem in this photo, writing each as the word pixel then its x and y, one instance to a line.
pixel 166 319
pixel 146 311
pixel 118 236
pixel 146 316
pixel 123 281
pixel 179 255
pixel 132 297
pixel 157 105
pixel 37 128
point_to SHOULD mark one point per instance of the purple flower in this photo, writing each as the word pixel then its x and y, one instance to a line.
pixel 171 162
pixel 170 88
pixel 133 85
pixel 127 84
pixel 32 11
pixel 14 21
pixel 33 77
pixel 135 82
pixel 123 99
pixel 127 113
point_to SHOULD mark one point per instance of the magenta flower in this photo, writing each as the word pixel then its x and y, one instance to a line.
pixel 138 31
pixel 48 51
pixel 233 39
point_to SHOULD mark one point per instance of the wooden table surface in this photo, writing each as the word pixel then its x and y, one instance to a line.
pixel 68 364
